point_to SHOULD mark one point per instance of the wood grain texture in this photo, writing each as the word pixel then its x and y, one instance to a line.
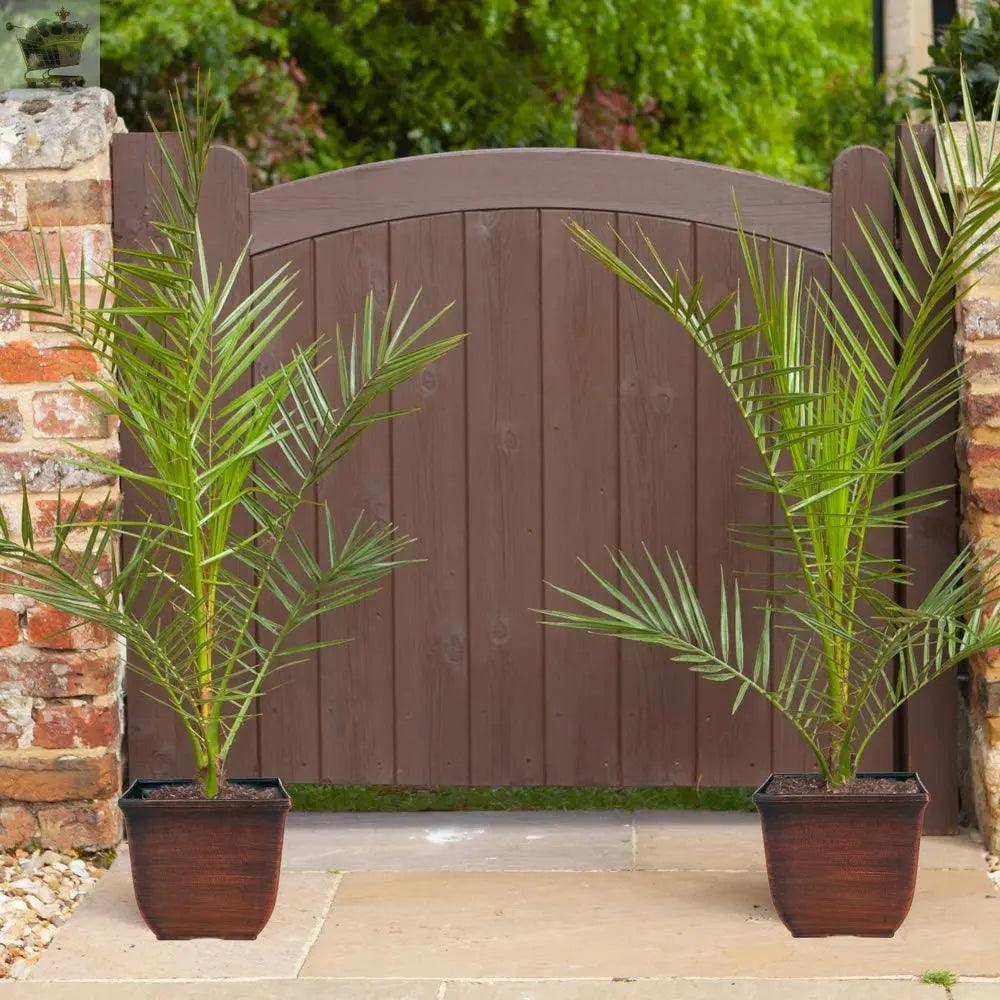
pixel 732 750
pixel 224 216
pixel 504 478
pixel 156 744
pixel 657 447
pixel 580 418
pixel 862 183
pixel 585 179
pixel 288 711
pixel 789 751
pixel 429 502
pixel 929 740
pixel 575 418
pixel 355 696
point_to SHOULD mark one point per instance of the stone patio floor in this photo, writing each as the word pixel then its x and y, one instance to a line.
pixel 531 906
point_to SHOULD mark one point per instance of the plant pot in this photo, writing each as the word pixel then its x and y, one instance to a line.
pixel 842 863
pixel 205 868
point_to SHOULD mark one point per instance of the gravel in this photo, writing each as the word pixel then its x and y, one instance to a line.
pixel 38 892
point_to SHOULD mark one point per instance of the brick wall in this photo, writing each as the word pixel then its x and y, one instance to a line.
pixel 60 704
pixel 977 347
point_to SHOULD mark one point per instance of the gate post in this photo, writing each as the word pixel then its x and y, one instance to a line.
pixel 60 691
pixel 977 348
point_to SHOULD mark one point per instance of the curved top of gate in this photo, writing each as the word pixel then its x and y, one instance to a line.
pixel 570 179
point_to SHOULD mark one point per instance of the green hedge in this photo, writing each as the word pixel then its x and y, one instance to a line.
pixel 777 86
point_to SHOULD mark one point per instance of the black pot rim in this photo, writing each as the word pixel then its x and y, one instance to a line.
pixel 132 798
pixel 763 797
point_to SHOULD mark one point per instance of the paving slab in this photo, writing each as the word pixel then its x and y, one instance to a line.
pixel 960 851
pixel 696 989
pixel 465 841
pixel 976 991
pixel 709 841
pixel 107 940
pixel 262 989
pixel 688 841
pixel 653 924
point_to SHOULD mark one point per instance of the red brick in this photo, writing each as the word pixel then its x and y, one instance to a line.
pixel 88 511
pixel 44 673
pixel 50 628
pixel 25 361
pixel 11 421
pixel 92 247
pixel 63 413
pixel 982 364
pixel 986 498
pixel 9 573
pixel 982 459
pixel 10 628
pixel 92 297
pixel 53 776
pixel 981 409
pixel 17 826
pixel 68 203
pixel 46 472
pixel 81 826
pixel 66 727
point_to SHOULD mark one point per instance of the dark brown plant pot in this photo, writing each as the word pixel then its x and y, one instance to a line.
pixel 205 868
pixel 842 863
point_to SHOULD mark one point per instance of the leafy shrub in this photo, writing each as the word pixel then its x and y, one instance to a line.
pixel 777 86
pixel 972 43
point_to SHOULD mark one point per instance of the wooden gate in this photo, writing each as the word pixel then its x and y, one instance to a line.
pixel 576 417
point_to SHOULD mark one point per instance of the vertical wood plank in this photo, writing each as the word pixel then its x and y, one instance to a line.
pixel 657 438
pixel 580 414
pixel 429 502
pixel 355 696
pixel 930 541
pixel 732 750
pixel 861 183
pixel 789 751
pixel 224 216
pixel 156 743
pixel 289 714
pixel 505 498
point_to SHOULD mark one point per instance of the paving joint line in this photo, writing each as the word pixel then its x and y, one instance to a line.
pixel 317 930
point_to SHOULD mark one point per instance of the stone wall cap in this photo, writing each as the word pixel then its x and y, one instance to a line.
pixel 54 127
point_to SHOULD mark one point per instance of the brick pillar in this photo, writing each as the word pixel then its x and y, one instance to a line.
pixel 60 692
pixel 977 347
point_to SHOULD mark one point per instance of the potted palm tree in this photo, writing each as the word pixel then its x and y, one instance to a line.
pixel 836 415
pixel 226 466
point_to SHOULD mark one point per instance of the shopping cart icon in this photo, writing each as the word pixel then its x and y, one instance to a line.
pixel 51 45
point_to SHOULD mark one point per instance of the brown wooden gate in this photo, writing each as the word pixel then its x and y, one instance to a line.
pixel 574 418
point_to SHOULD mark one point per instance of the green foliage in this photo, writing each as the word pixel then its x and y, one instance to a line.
pixel 838 404
pixel 396 79
pixel 847 110
pixel 454 798
pixel 216 589
pixel 148 50
pixel 939 978
pixel 971 45
pixel 777 86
